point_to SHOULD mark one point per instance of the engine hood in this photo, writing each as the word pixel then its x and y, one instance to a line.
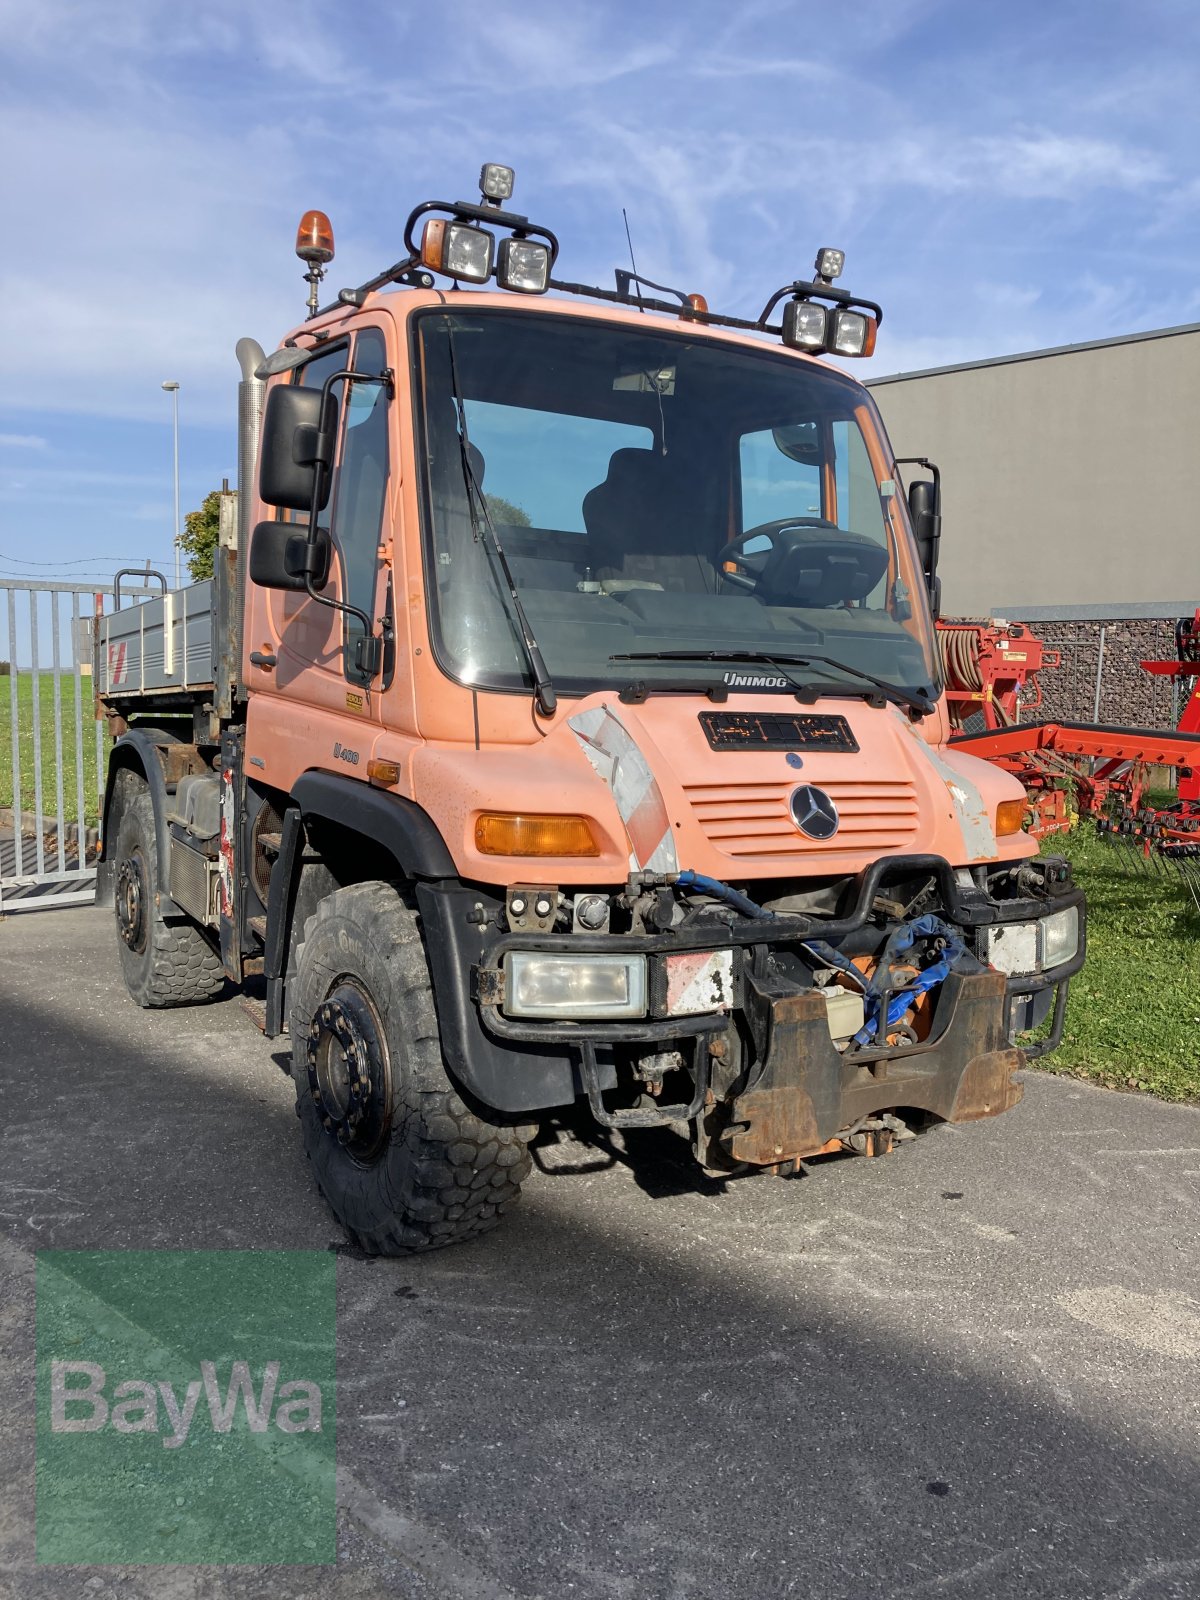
pixel 755 788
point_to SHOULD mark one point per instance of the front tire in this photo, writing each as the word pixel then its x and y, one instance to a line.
pixel 403 1162
pixel 163 963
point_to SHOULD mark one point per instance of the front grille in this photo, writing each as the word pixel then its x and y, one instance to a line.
pixel 747 820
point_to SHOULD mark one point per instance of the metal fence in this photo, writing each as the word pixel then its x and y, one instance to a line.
pixel 52 755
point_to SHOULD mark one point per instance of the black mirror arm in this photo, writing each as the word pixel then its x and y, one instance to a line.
pixel 930 467
pixel 323 463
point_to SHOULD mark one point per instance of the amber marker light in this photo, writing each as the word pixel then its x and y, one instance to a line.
pixel 314 238
pixel 504 833
pixel 1010 814
pixel 433 244
pixel 384 773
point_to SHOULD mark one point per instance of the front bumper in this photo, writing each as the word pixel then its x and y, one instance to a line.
pixel 522 1065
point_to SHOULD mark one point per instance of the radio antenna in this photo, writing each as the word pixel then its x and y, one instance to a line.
pixel 633 260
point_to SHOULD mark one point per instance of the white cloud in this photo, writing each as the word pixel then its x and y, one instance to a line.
pixel 23 441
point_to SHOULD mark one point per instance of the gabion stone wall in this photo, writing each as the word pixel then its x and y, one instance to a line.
pixel 1129 697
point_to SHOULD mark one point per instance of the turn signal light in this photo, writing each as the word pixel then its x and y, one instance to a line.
pixel 1010 814
pixel 314 238
pixel 503 833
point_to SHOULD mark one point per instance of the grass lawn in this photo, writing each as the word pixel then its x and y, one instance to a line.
pixel 24 682
pixel 1133 1015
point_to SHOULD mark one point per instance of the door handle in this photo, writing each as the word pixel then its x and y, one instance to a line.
pixel 264 659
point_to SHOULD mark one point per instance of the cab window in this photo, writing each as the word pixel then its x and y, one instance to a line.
pixel 358 498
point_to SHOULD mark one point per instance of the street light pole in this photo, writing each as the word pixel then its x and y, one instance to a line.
pixel 173 389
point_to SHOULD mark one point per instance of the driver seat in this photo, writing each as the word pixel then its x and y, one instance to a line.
pixel 641 528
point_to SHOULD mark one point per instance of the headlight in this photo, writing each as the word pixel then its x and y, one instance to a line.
pixel 1021 948
pixel 576 987
pixel 804 325
pixel 523 265
pixel 458 250
pixel 1060 936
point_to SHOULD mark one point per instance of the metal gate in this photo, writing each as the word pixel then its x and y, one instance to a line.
pixel 52 753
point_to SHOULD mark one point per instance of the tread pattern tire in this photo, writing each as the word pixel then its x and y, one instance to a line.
pixel 177 966
pixel 445 1172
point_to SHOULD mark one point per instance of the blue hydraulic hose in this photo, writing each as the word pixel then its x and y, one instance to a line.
pixel 902 939
pixel 927 927
pixel 722 891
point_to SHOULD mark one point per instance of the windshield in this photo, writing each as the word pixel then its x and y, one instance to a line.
pixel 656 493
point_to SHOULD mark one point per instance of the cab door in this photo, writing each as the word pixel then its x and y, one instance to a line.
pixel 307 651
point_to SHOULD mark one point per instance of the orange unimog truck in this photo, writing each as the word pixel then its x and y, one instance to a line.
pixel 563 723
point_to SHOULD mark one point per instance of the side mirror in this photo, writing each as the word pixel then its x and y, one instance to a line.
pixel 296 449
pixel 924 507
pixel 282 558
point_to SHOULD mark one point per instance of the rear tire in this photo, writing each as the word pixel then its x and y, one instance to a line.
pixel 403 1162
pixel 163 963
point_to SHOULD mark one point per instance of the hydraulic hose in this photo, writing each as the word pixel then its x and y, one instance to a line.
pixel 722 891
pixel 901 939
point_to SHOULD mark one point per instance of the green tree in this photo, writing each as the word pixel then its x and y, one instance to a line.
pixel 198 541
pixel 503 510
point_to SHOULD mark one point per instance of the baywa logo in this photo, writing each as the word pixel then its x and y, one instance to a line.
pixel 134 1406
pixel 185 1407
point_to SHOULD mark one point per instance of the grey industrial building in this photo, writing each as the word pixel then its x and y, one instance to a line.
pixel 1069 501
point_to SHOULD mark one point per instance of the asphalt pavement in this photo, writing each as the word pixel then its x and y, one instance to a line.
pixel 971 1368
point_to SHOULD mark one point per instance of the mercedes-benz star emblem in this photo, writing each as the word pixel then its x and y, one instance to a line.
pixel 815 813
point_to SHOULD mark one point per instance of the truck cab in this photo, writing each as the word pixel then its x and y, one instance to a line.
pixel 578 735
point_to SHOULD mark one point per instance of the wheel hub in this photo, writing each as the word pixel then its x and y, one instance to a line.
pixel 130 897
pixel 347 1068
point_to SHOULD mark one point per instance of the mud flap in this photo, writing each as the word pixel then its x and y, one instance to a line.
pixel 806 1092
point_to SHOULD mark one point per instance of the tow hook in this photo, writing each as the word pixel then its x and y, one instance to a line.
pixel 875 1136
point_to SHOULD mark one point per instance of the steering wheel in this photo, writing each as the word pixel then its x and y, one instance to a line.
pixel 809 561
pixel 734 551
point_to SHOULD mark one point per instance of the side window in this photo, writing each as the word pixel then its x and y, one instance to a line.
pixel 857 491
pixel 781 475
pixel 362 477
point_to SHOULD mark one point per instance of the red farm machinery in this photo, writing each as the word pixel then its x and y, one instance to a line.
pixel 1079 769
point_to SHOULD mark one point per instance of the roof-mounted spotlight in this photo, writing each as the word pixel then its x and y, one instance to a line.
pixel 523 265
pixel 805 325
pixel 829 264
pixel 496 182
pixel 852 333
pixel 458 250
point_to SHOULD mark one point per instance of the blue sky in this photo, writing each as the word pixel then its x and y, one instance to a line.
pixel 1001 176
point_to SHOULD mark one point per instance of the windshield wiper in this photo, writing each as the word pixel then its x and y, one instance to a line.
pixel 891 691
pixel 543 688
